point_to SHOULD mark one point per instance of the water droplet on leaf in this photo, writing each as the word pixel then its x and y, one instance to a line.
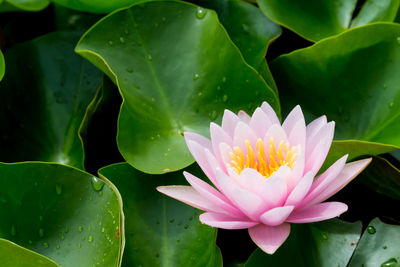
pixel 390 263
pixel 45 245
pixel 90 238
pixel 196 76
pixel 201 13
pixel 122 40
pixel 371 230
pixel 224 98
pixel 97 184
pixel 129 70
pixel 58 189
pixel 80 228
pixel 110 43
pixel 41 232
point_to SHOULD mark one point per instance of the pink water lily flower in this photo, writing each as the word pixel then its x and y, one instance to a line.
pixel 264 174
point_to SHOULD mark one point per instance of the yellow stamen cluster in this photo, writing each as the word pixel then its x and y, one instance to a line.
pixel 264 164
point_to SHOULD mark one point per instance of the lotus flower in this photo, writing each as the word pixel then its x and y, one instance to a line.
pixel 264 174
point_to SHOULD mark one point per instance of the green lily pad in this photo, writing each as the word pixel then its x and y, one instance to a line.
pixel 96 6
pixel 62 213
pixel 2 66
pixel 41 113
pixel 13 255
pixel 353 79
pixel 318 19
pixel 382 177
pixel 23 5
pixel 176 69
pixel 379 246
pixel 161 231
pixel 328 243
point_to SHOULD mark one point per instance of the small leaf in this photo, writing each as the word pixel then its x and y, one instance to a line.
pixel 16 256
pixel 379 245
pixel 376 10
pixel 62 213
pixel 160 231
pixel 323 244
pixel 176 73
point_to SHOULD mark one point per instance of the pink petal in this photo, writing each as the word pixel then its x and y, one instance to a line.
pixel 201 140
pixel 251 180
pixel 325 179
pixel 229 121
pixel 269 238
pixel 318 212
pixel 218 136
pixel 249 203
pixel 318 148
pixel 313 127
pixel 225 151
pixel 260 123
pixel 301 190
pixel 244 116
pixel 270 112
pixel 212 195
pixel 276 216
pixel 348 173
pixel 295 127
pixel 199 154
pixel 224 221
pixel 274 190
pixel 243 132
pixel 298 169
pixel 277 133
pixel 188 195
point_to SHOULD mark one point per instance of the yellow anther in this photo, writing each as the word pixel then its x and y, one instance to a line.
pixel 264 164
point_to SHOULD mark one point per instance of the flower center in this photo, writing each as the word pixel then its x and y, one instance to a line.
pixel 266 165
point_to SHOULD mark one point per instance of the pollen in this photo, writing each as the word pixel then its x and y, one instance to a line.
pixel 264 159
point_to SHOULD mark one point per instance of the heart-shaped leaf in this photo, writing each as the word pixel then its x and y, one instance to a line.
pixel 96 6
pixel 353 79
pixel 24 5
pixel 16 256
pixel 328 243
pixel 65 214
pixel 160 231
pixel 176 69
pixel 318 19
pixel 42 112
pixel 379 246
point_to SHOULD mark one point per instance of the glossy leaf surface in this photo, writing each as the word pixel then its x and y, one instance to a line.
pixel 61 85
pixel 2 65
pixel 161 231
pixel 96 6
pixel 60 212
pixel 318 19
pixel 379 246
pixel 356 85
pixel 13 255
pixel 23 5
pixel 328 243
pixel 177 70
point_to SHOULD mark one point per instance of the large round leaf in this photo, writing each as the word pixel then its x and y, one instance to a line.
pixel 160 231
pixel 60 212
pixel 95 6
pixel 16 256
pixel 318 19
pixel 24 5
pixel 177 70
pixel 44 96
pixel 379 246
pixel 353 79
pixel 328 243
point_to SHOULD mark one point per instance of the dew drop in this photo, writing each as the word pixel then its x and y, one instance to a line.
pixel 196 76
pixel 391 104
pixel 103 230
pixel 224 79
pixel 153 99
pixel 218 87
pixel 324 236
pixel 149 57
pixel 200 94
pixel 40 218
pixel 100 193
pixel 398 40
pixel 58 189
pixel 110 43
pixel 41 232
pixel 80 228
pixel 384 86
pixel 163 19
pixel 97 184
pixel 213 115
pixel 224 98
pixel 390 263
pixel 126 31
pixel 371 230
pixel 201 13
pixel 62 237
pixel 122 40
pixel 45 245
pixel 384 247
pixel 79 245
pixel 172 220
pixel 186 226
pixel 90 238
pixel 129 70
pixel 58 247
pixel 13 230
